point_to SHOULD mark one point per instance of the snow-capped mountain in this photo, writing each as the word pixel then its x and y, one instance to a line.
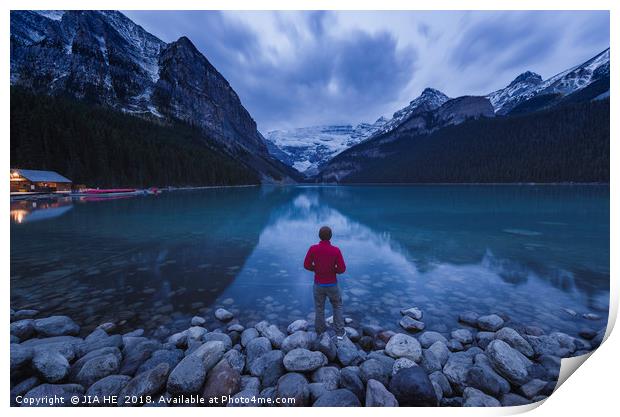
pixel 103 57
pixel 529 85
pixel 430 99
pixel 306 148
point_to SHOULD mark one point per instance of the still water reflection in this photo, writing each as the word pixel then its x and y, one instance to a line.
pixel 154 261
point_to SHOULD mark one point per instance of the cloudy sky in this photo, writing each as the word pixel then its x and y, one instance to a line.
pixel 294 69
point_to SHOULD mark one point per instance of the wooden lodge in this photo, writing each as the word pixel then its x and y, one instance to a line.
pixel 35 181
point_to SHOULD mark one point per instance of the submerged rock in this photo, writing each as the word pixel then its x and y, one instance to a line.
pixel 410 324
pixel 223 315
pixel 491 322
pixel 56 326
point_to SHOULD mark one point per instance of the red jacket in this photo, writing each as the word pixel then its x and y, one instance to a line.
pixel 326 261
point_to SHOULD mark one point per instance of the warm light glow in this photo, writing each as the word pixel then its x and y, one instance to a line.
pixel 18 216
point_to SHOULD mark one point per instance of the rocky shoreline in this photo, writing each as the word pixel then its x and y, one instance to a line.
pixel 488 361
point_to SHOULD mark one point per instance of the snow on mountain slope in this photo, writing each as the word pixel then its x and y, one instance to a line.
pixel 430 99
pixel 529 84
pixel 308 147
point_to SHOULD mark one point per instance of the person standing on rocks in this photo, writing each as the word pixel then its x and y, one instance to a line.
pixel 326 260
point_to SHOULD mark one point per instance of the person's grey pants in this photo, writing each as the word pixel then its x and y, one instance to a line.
pixel 333 293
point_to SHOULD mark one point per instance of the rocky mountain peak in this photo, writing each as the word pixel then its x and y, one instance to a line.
pixel 528 77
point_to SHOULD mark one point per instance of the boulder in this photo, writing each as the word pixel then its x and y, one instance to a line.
pixel 490 323
pixel 222 337
pixel 482 376
pixel 170 356
pixel 533 388
pixel 508 362
pixel 223 315
pixel 296 326
pixel 22 329
pixel 299 339
pixel 413 388
pixel 463 335
pixel 198 321
pixel 515 340
pixel 147 383
pixel 269 367
pixel 20 356
pixel 247 335
pixel 50 365
pixel 470 318
pixel 337 398
pixel 327 346
pixel 512 400
pixel 249 382
pixel 350 379
pixel 294 385
pixel 441 352
pixel 56 326
pixel 235 359
pixel 484 338
pixel 374 369
pixel 97 368
pixel 304 360
pixel 457 368
pixel 108 386
pixel 476 398
pixel 378 396
pixel 430 362
pixel 413 312
pixel 316 390
pixel 188 376
pixel 404 346
pixel 402 363
pixel 329 376
pixel 347 352
pixel 427 338
pixel 410 324
pixel 221 381
pixel 271 332
pixel 440 381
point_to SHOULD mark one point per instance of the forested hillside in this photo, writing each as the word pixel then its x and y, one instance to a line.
pixel 98 146
pixel 569 143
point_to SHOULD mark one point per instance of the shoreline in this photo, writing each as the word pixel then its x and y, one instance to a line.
pixel 488 360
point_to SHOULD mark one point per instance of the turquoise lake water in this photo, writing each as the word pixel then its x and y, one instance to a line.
pixel 528 252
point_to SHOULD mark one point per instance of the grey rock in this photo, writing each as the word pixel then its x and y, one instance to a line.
pixel 198 321
pixel 337 398
pixel 255 348
pixel 413 312
pixel 20 356
pixel 249 382
pixel 269 367
pixel 235 359
pixel 483 377
pixel 454 345
pixel 402 363
pixel 299 339
pixel 441 352
pixel 247 335
pixel 463 335
pixel 439 380
pixel 223 315
pixel 412 387
pixel 115 341
pixel 210 353
pixel 24 314
pixel 490 323
pixel 470 318
pixel 378 396
pixel 188 376
pixel 457 368
pixel 170 356
pixel 532 388
pixel 98 368
pixel 374 369
pixel 294 385
pixel 108 386
pixel 404 346
pixel 512 400
pixel 327 346
pixel 221 381
pixel 304 360
pixel 271 332
pixel 316 390
pixel 476 398
pixel 347 352
pixel 352 334
pixel 430 362
pixel 148 383
pixel 222 337
pixel 551 364
pixel 329 376
pixel 427 338
pixel 350 379
pixel 484 338
pixel 296 326
pixel 515 341
pixel 410 324
pixel 23 329
pixel 236 327
pixel 508 362
pixel 56 326
pixel 50 365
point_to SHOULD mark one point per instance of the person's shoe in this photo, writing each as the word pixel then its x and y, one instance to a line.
pixel 341 336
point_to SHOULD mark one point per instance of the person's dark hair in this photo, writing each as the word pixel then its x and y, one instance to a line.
pixel 325 233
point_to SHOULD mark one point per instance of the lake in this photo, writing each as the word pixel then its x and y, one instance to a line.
pixel 153 262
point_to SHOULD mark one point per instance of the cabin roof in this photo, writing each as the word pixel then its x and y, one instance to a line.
pixel 34 175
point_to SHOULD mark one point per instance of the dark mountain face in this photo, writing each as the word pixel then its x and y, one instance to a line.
pixel 104 58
